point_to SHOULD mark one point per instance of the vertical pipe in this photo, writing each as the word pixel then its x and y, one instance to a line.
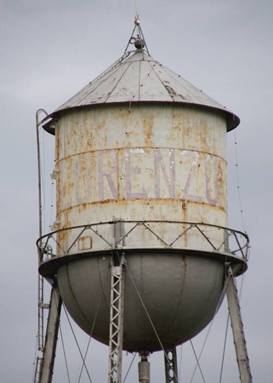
pixel 38 123
pixel 40 334
pixel 144 369
pixel 40 231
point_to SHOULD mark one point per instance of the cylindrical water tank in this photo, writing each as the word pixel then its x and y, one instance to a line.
pixel 141 159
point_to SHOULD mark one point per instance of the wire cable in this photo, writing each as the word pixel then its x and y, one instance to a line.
pixel 224 350
pixel 129 368
pixel 210 327
pixel 89 341
pixel 77 343
pixel 202 349
pixel 65 355
pixel 147 313
pixel 197 361
pixel 135 8
pixel 238 187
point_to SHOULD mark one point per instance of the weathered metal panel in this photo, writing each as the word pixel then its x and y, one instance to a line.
pixel 181 294
pixel 149 163
pixel 140 78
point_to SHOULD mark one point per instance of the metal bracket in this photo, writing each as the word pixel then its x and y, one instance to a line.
pixel 171 372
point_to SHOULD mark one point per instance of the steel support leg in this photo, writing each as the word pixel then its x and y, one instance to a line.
pixel 238 330
pixel 47 363
pixel 116 324
pixel 171 372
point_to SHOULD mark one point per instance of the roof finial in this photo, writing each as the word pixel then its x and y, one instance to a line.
pixel 137 19
pixel 137 38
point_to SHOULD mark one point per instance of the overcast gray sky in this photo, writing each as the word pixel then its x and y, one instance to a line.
pixel 48 51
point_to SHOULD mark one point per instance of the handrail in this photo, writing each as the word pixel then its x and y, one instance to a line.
pixel 238 248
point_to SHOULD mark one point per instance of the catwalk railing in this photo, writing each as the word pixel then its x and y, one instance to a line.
pixel 163 234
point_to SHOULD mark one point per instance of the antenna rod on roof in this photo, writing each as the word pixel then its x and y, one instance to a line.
pixel 137 38
pixel 137 20
pixel 135 4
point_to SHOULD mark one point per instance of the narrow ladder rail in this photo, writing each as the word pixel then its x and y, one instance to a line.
pixel 41 316
pixel 40 335
pixel 37 372
pixel 238 330
pixel 171 371
pixel 53 320
pixel 38 121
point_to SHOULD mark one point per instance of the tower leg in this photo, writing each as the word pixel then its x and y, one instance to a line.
pixel 116 324
pixel 238 330
pixel 144 369
pixel 171 372
pixel 52 329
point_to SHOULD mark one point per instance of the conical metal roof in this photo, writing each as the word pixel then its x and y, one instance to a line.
pixel 138 78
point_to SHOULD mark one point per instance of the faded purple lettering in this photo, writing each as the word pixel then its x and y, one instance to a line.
pixel 187 194
pixel 106 172
pixel 130 173
pixel 169 179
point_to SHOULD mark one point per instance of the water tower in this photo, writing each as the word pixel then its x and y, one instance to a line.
pixel 141 255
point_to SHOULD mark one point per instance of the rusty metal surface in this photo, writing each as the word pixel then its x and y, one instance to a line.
pixel 140 78
pixel 149 163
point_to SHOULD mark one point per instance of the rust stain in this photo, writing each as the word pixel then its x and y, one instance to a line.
pixel 139 164
pixel 184 239
pixel 203 136
pixel 148 125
